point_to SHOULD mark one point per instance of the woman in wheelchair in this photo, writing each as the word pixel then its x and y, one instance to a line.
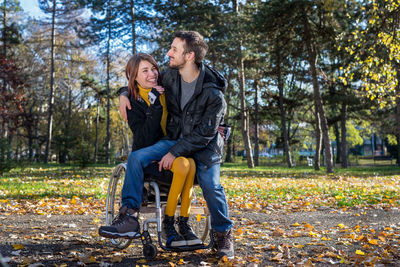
pixel 147 120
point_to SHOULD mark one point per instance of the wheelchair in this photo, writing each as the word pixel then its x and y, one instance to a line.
pixel 154 201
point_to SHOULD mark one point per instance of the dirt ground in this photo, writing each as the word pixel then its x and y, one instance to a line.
pixel 272 238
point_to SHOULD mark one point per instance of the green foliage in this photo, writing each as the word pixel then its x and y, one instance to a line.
pixel 82 153
pixel 376 60
pixel 5 156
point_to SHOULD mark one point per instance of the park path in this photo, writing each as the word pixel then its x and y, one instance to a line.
pixel 322 237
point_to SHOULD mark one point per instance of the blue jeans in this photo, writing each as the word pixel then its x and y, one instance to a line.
pixel 208 178
pixel 214 194
pixel 132 190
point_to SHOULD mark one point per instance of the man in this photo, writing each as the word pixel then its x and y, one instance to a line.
pixel 196 106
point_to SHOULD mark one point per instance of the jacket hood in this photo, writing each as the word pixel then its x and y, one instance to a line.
pixel 213 78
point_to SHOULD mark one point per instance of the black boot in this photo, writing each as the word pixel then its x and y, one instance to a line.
pixel 173 239
pixel 186 232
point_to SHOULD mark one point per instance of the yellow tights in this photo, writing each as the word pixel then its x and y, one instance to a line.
pixel 184 170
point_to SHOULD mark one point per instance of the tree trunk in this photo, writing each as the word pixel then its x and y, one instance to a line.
pixel 96 144
pixel 241 79
pixel 133 27
pixel 318 143
pixel 338 143
pixel 108 138
pixel 228 157
pixel 243 110
pixel 312 58
pixel 285 136
pixel 38 149
pixel 398 119
pixel 3 89
pixel 51 97
pixel 256 148
pixel 30 144
pixel 4 30
pixel 343 119
pixel 65 147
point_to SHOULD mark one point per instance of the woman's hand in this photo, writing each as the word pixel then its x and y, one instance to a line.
pixel 159 89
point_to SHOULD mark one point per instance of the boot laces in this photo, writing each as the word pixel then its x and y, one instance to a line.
pixel 119 219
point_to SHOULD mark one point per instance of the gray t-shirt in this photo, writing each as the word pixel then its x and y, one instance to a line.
pixel 187 90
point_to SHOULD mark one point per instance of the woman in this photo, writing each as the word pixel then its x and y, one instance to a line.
pixel 147 119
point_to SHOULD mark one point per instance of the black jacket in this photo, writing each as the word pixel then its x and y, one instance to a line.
pixel 144 122
pixel 198 122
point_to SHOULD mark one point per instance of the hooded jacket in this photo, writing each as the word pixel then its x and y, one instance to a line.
pixel 197 124
pixel 144 121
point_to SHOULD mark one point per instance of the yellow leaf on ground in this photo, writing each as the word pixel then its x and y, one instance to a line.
pixel 381 238
pixel 341 225
pixel 360 237
pixel 373 241
pixel 18 246
pixel 296 224
pixel 141 261
pixel 360 252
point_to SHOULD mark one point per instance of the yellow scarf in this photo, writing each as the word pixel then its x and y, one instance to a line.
pixel 144 94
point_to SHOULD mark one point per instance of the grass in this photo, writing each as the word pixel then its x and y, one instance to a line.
pixel 299 187
pixel 297 170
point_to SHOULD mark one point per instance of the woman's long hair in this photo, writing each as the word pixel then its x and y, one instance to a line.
pixel 131 71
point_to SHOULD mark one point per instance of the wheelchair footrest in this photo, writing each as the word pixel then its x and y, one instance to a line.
pixel 185 248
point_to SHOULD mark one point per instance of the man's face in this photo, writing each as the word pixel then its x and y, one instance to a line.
pixel 176 54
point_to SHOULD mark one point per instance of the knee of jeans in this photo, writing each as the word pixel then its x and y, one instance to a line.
pixel 133 157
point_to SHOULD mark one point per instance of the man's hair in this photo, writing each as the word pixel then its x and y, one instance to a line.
pixel 194 42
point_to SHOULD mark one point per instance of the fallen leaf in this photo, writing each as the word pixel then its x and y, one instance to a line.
pixel 18 246
pixel 360 252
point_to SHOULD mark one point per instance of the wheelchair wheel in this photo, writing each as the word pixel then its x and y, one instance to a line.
pixel 113 202
pixel 149 251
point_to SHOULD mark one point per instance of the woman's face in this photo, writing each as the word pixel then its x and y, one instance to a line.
pixel 147 75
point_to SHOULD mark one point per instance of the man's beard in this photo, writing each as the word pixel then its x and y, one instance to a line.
pixel 177 66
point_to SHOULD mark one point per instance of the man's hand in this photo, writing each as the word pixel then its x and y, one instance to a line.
pixel 221 130
pixel 123 104
pixel 166 162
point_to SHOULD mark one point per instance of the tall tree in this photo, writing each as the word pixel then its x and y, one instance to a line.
pixel 10 36
pixel 45 6
pixel 59 9
pixel 377 59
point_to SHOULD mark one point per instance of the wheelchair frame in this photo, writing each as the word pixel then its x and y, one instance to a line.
pixel 149 249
